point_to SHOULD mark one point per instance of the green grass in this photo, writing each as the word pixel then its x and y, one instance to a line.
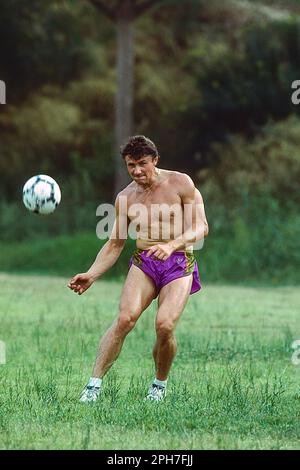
pixel 232 385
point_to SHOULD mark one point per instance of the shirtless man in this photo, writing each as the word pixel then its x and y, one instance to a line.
pixel 162 266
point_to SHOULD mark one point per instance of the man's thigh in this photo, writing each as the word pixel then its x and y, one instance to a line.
pixel 173 298
pixel 138 292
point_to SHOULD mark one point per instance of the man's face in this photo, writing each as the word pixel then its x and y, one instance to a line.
pixel 142 170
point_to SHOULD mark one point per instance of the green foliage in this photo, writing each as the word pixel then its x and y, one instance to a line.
pixel 252 205
pixel 245 79
pixel 261 245
pixel 42 43
pixel 264 251
pixel 16 223
pixel 66 133
pixel 202 71
pixel 62 254
pixel 58 109
pixel 209 76
pixel 267 165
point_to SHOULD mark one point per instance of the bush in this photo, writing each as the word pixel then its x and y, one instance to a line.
pixel 63 255
pixel 252 205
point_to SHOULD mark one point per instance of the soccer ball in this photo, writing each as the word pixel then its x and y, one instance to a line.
pixel 41 194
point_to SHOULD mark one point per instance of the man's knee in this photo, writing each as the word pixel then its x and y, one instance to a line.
pixel 126 321
pixel 164 328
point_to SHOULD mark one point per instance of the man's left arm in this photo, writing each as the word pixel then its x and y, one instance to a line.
pixel 195 222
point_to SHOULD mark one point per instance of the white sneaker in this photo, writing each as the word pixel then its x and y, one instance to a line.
pixel 156 393
pixel 90 394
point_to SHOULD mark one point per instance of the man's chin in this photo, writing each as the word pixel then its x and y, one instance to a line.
pixel 141 180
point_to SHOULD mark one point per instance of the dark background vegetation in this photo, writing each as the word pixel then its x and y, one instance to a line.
pixel 212 89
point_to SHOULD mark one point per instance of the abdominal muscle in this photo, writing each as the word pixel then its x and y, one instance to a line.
pixel 155 223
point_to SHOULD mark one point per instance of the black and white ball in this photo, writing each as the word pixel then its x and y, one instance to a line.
pixel 41 194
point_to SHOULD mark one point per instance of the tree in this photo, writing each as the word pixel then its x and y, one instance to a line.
pixel 123 13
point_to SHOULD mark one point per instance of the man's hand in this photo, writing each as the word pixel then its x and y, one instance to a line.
pixel 161 251
pixel 81 282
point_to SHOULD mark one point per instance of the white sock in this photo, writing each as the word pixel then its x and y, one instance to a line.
pixel 161 383
pixel 94 382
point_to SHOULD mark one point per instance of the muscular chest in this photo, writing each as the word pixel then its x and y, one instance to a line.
pixel 162 206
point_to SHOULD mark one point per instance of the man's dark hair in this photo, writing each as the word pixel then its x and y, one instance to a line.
pixel 139 146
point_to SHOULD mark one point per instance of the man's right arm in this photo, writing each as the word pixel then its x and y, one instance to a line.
pixel 112 249
pixel 109 253
pixel 106 258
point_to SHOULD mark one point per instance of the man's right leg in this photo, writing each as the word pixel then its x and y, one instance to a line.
pixel 138 292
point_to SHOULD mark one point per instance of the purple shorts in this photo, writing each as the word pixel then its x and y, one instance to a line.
pixel 179 264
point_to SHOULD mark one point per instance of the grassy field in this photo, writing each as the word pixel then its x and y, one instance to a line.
pixel 232 385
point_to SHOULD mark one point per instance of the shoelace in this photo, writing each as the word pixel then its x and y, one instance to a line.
pixel 91 389
pixel 156 390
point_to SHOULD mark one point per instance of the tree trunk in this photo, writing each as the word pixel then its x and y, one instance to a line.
pixel 124 96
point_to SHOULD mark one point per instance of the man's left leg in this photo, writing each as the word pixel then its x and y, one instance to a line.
pixel 171 302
